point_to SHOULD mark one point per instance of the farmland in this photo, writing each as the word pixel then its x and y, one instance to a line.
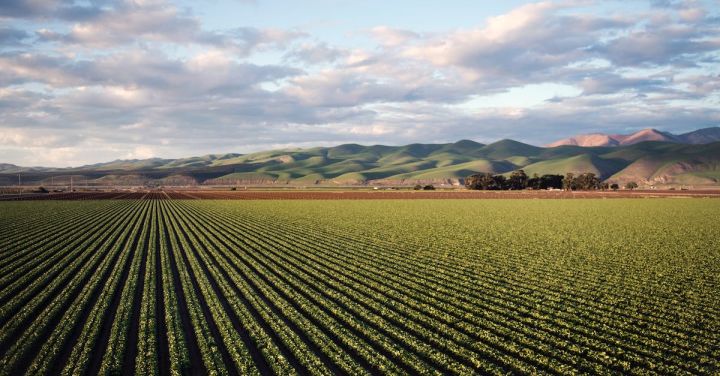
pixel 167 286
pixel 354 194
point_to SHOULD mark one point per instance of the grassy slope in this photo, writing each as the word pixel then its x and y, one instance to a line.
pixel 672 163
pixel 352 163
pixel 456 171
pixel 576 164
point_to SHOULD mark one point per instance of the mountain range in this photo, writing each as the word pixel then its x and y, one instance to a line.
pixel 700 136
pixel 648 163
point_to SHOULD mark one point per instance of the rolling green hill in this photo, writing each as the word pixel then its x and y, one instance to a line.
pixel 648 163
pixel 577 164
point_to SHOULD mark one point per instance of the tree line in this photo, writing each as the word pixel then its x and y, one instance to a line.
pixel 519 180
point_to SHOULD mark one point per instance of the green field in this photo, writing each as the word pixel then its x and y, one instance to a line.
pixel 622 286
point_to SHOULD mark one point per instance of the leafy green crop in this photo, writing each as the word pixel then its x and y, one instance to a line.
pixel 622 286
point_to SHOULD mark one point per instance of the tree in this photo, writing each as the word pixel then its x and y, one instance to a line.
pixel 534 182
pixel 479 181
pixel 499 182
pixel 587 181
pixel 429 187
pixel 568 183
pixel 485 181
pixel 631 185
pixel 614 186
pixel 551 181
pixel 518 180
pixel 417 187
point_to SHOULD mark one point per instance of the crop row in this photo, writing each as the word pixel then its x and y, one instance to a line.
pixel 157 286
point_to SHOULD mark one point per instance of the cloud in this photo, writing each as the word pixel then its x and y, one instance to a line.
pixel 536 43
pixel 391 37
pixel 10 36
pixel 358 84
pixel 314 53
pixel 129 22
pixel 141 152
pixel 205 73
pixel 249 38
pixel 525 45
pixel 51 9
pixel 701 85
pixel 93 81
pixel 661 45
pixel 610 83
pixel 23 138
pixel 678 33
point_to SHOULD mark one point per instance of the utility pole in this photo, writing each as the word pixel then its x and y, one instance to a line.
pixel 71 183
pixel 19 185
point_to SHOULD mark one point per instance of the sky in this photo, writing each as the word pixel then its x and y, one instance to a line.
pixel 91 81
